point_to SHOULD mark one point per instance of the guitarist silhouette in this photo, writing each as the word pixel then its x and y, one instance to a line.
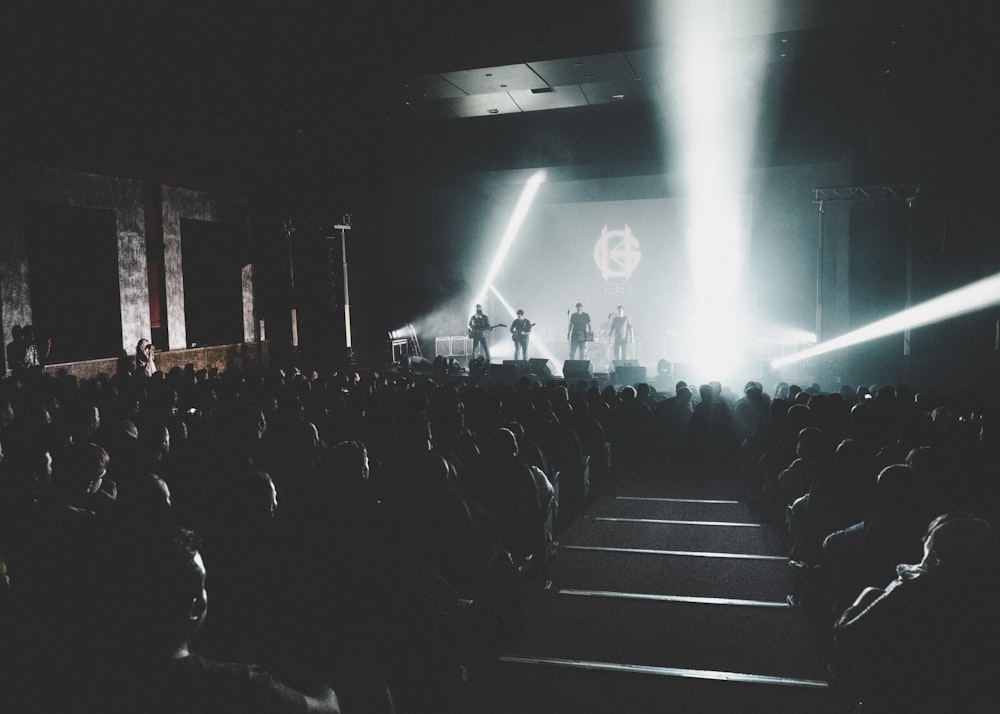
pixel 479 328
pixel 520 330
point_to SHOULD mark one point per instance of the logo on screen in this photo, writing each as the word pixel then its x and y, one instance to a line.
pixel 617 253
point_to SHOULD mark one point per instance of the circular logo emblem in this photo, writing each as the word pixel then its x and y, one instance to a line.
pixel 617 253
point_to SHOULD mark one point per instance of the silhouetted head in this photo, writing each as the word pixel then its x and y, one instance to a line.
pixel 80 469
pixel 501 444
pixel 961 543
pixel 812 444
pixel 164 597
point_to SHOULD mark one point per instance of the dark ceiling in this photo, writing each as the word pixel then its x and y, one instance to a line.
pixel 349 83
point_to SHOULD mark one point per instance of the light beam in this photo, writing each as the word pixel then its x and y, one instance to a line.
pixel 513 226
pixel 714 81
pixel 975 296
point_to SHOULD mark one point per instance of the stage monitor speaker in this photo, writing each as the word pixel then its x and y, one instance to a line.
pixel 618 363
pixel 576 369
pixel 632 374
pixel 539 367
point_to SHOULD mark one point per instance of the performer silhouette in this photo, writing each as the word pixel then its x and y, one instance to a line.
pixel 479 328
pixel 578 332
pixel 520 330
pixel 621 333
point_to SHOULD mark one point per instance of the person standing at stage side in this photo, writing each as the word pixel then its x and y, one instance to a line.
pixel 479 329
pixel 35 353
pixel 579 327
pixel 145 363
pixel 520 330
pixel 621 333
pixel 17 349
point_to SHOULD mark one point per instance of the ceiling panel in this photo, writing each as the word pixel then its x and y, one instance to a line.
pixel 618 91
pixel 507 78
pixel 578 70
pixel 558 98
pixel 424 87
pixel 478 105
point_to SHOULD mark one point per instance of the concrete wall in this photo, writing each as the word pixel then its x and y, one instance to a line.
pixel 24 184
pixel 249 321
pixel 15 301
pixel 246 357
pixel 21 185
pixel 178 203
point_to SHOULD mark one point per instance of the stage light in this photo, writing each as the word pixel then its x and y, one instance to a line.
pixel 406 332
pixel 975 296
pixel 513 226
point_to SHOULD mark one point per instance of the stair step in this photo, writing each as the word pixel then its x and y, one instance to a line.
pixel 520 687
pixel 763 641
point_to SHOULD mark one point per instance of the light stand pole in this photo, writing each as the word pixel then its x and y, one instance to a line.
pixel 819 277
pixel 289 228
pixel 343 227
pixel 909 270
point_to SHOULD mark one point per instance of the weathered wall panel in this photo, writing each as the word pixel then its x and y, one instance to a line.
pixel 249 329
pixel 15 303
pixel 57 186
pixel 178 203
pixel 246 357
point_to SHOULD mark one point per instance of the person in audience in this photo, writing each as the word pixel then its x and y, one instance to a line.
pixel 712 432
pixel 867 552
pixel 379 537
pixel 164 603
pixel 16 349
pixel 670 421
pixel 929 641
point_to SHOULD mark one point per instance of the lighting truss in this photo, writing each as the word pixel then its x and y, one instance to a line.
pixel 897 192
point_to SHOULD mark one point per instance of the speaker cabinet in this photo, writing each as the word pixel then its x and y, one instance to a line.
pixel 576 369
pixel 539 367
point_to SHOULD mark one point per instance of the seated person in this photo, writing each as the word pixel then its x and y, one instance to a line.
pixel 867 553
pixel 164 603
pixel 930 640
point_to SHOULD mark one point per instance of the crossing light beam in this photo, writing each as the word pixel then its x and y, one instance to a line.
pixel 975 296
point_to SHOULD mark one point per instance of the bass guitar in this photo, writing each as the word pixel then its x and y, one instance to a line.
pixel 481 332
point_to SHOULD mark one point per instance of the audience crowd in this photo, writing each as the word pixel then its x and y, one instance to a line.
pixel 205 541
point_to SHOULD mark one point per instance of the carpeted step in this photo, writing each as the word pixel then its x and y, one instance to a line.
pixel 672 508
pixel 676 536
pixel 520 688
pixel 763 580
pixel 764 641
